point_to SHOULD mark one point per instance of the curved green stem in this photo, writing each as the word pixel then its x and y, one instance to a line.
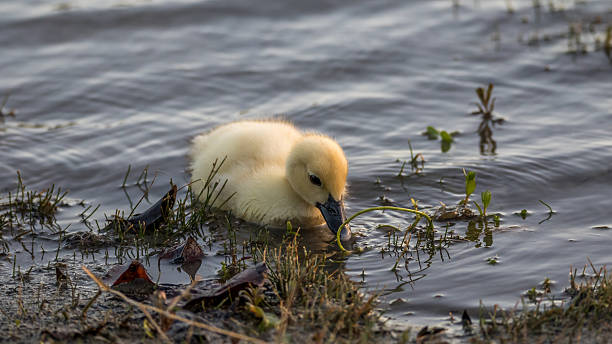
pixel 379 208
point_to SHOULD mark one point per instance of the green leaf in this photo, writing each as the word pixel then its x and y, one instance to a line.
pixel 493 260
pixel 470 183
pixel 446 136
pixel 488 95
pixel 446 146
pixel 447 139
pixel 479 208
pixel 432 133
pixel 486 199
pixel 480 93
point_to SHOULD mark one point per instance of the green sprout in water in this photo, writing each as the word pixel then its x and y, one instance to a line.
pixel 493 260
pixel 470 185
pixel 446 138
pixel 486 199
pixel 414 162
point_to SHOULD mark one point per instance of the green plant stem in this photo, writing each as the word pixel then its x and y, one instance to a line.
pixel 430 227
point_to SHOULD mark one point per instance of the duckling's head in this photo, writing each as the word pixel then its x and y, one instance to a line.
pixel 317 169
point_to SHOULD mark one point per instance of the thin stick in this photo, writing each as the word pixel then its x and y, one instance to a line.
pixel 143 307
pixel 379 208
pixel 104 287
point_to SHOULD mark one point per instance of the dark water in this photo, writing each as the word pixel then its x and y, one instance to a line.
pixel 101 87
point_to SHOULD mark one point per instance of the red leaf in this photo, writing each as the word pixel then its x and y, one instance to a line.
pixel 125 273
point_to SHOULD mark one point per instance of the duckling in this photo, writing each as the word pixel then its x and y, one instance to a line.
pixel 275 173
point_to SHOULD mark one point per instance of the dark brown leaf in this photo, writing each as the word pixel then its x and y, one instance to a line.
pixel 61 277
pixel 254 276
pixel 157 213
pixel 466 321
pixel 186 252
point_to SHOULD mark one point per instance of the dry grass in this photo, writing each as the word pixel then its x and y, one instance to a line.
pixel 586 317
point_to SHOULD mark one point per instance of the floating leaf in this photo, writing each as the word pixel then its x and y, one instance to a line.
pixel 446 136
pixel 432 133
pixel 493 260
pixel 446 141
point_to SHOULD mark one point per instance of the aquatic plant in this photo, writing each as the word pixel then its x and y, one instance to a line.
pixel 488 120
pixel 414 162
pixel 523 213
pixel 584 317
pixel 430 227
pixel 485 196
pixel 446 139
pixel 470 185
pixel 551 212
pixel 493 260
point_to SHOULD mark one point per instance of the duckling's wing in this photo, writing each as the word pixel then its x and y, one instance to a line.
pixel 247 147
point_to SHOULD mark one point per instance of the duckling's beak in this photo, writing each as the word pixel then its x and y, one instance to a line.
pixel 333 213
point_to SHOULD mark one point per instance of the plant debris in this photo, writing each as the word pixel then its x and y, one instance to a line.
pixel 187 252
pixel 251 277
pixel 130 278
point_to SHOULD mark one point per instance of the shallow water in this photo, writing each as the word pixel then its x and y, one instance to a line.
pixel 99 88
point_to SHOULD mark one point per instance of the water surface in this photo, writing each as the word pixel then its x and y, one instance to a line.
pixel 98 88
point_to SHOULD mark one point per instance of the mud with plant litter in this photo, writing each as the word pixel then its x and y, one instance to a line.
pixel 490 116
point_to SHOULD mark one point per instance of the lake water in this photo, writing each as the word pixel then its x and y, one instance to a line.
pixel 98 88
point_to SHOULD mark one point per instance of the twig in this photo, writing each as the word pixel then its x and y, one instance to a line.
pixel 140 306
pixel 144 308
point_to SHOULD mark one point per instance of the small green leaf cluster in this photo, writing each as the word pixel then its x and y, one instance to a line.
pixel 470 187
pixel 446 139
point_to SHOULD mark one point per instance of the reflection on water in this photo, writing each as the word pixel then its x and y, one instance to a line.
pixel 475 229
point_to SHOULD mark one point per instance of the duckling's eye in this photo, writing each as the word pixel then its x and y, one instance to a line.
pixel 315 180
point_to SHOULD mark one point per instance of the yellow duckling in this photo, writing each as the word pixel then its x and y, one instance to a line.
pixel 275 173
